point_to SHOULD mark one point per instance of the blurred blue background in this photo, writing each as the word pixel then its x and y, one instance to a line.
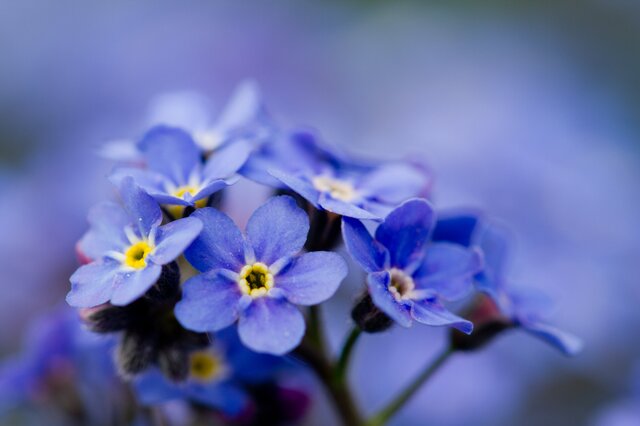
pixel 528 110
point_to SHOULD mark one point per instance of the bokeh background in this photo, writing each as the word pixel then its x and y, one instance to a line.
pixel 527 110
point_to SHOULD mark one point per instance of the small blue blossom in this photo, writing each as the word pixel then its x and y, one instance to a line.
pixel 332 182
pixel 243 118
pixel 217 376
pixel 408 275
pixel 257 279
pixel 523 308
pixel 175 175
pixel 60 353
pixel 128 247
pixel 296 151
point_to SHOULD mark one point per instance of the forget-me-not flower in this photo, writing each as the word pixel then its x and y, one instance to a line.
pixel 175 174
pixel 332 182
pixel 408 275
pixel 59 354
pixel 208 383
pixel 217 376
pixel 244 117
pixel 257 279
pixel 128 247
pixel 517 307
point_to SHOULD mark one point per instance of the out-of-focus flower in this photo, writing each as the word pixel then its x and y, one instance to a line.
pixel 221 375
pixel 208 383
pixel 332 182
pixel 175 175
pixel 408 275
pixel 508 306
pixel 64 364
pixel 243 118
pixel 296 151
pixel 128 247
pixel 258 279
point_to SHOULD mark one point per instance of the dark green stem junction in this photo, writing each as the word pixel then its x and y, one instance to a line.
pixel 383 416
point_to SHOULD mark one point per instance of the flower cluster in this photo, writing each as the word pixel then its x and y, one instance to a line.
pixel 169 271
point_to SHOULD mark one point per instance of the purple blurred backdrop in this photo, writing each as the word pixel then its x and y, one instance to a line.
pixel 529 112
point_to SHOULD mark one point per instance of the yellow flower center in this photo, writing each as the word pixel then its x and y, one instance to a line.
pixel 255 280
pixel 177 210
pixel 205 366
pixel 338 189
pixel 402 285
pixel 136 255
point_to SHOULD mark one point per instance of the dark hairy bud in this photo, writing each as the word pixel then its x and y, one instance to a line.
pixel 369 317
pixel 488 321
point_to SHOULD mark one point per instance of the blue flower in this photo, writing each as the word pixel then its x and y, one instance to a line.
pixel 408 275
pixel 295 151
pixel 128 247
pixel 332 182
pixel 175 175
pixel 208 384
pixel 244 117
pixel 217 376
pixel 59 352
pixel 523 308
pixel 257 279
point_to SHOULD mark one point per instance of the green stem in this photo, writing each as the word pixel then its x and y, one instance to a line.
pixel 340 372
pixel 313 351
pixel 383 416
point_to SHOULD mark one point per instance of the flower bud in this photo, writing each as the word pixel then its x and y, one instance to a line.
pixel 488 323
pixel 369 317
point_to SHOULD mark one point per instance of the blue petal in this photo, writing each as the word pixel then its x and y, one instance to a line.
pixel 362 247
pixel 150 181
pixel 271 325
pixel 312 278
pixel 143 210
pixel 393 183
pixel 131 285
pixel 171 200
pixel 494 242
pixel 209 302
pixel 226 162
pixel 458 229
pixel 247 366
pixel 210 188
pixel 170 151
pixel 567 343
pixel 219 245
pixel 448 269
pixel 405 232
pixel 173 238
pixel 107 221
pixel 93 284
pixel 300 186
pixel 245 105
pixel 378 283
pixel 431 312
pixel 120 150
pixel 344 209
pixel 225 396
pixel 153 388
pixel 277 229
